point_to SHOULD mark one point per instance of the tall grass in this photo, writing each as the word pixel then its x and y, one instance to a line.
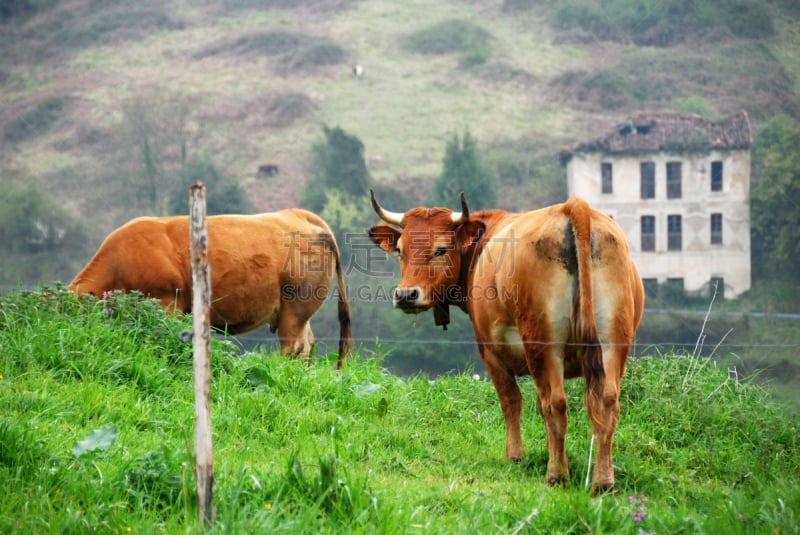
pixel 307 450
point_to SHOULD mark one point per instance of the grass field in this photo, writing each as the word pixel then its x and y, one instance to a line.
pixel 96 424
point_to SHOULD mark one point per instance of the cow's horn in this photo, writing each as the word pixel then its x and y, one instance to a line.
pixel 463 215
pixel 395 218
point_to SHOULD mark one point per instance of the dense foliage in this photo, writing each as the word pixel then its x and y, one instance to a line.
pixel 37 237
pixel 337 164
pixel 462 171
pixel 96 420
pixel 775 200
pixel 660 23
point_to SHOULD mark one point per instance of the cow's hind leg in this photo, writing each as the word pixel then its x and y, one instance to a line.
pixel 551 402
pixel 295 336
pixel 604 413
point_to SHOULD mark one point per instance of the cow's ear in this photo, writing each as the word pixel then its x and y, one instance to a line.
pixel 385 237
pixel 469 233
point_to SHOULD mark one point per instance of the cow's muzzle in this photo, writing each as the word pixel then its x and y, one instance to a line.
pixel 408 299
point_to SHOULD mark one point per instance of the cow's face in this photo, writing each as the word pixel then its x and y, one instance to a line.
pixel 430 245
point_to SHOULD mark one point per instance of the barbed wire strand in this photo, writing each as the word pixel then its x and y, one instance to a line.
pixel 381 340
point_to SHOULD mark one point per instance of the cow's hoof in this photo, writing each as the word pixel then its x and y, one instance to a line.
pixel 602 488
pixel 556 480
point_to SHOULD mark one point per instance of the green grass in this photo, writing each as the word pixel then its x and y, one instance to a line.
pixel 306 449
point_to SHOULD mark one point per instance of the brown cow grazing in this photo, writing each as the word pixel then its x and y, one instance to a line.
pixel 275 268
pixel 551 293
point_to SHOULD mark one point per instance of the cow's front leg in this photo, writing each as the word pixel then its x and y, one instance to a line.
pixel 510 402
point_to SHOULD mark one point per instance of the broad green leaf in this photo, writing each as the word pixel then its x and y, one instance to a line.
pixel 99 439
pixel 259 377
pixel 366 388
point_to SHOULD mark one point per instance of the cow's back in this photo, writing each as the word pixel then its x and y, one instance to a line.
pixel 256 260
pixel 527 274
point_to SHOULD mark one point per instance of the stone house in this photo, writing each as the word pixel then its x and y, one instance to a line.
pixel 679 187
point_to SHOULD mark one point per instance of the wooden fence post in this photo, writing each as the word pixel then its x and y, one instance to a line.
pixel 201 335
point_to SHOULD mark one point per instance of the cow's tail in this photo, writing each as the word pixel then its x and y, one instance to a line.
pixel 580 215
pixel 345 334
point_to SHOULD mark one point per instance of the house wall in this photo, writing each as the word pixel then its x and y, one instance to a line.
pixel 698 260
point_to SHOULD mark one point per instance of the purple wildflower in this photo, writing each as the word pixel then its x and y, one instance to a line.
pixel 637 512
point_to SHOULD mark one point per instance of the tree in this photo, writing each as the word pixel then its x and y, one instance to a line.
pixel 224 196
pixel 159 133
pixel 30 222
pixel 462 171
pixel 775 206
pixel 338 164
pixel 38 238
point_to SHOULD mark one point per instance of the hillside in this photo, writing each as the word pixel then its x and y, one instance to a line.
pixel 247 83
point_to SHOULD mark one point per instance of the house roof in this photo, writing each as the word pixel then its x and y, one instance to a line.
pixel 669 132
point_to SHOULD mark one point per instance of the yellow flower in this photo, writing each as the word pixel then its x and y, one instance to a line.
pixel 268 507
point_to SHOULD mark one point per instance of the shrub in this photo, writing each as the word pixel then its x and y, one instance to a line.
pixel 321 54
pixel 747 19
pixel 286 108
pixel 23 8
pixel 89 25
pixel 658 23
pixel 37 120
pixel 512 6
pixel 452 36
pixel 318 54
pixel 462 171
pixel 30 222
pixel 223 196
pixel 527 174
pixel 693 104
pixel 608 88
pixel 293 51
pixel 270 43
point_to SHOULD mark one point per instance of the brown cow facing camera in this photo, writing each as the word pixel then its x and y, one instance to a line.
pixel 551 293
pixel 273 268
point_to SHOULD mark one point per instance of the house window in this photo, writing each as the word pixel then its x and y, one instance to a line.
pixel 716 176
pixel 716 229
pixel 650 287
pixel 716 284
pixel 674 233
pixel 608 179
pixel 648 170
pixel 648 233
pixel 673 180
